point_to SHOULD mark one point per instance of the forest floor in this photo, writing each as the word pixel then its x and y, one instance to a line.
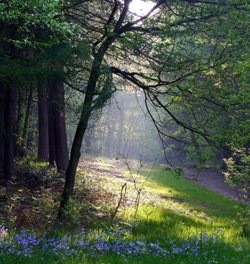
pixel 122 211
pixel 98 190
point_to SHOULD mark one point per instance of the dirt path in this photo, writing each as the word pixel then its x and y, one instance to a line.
pixel 211 179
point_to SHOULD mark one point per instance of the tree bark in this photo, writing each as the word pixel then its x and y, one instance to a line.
pixel 52 151
pixel 33 131
pixel 10 114
pixel 2 130
pixel 43 122
pixel 27 117
pixel 59 127
pixel 7 108
pixel 20 122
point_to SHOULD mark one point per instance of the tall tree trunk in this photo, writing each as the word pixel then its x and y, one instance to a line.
pixel 27 117
pixel 59 126
pixel 10 114
pixel 33 125
pixel 43 138
pixel 2 130
pixel 7 108
pixel 52 150
pixel 20 122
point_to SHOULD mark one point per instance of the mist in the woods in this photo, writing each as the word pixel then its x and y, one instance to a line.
pixel 126 127
pixel 123 128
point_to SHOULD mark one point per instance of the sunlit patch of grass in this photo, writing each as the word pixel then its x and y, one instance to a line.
pixel 183 208
pixel 156 224
pixel 32 162
pixel 167 183
pixel 171 202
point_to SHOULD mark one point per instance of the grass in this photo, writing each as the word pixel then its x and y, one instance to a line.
pixel 191 195
pixel 193 224
pixel 113 245
pixel 187 209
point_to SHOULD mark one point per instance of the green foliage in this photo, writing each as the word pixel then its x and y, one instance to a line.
pixel 238 172
pixel 106 89
pixel 39 24
pixel 238 176
pixel 194 62
pixel 36 37
pixel 167 183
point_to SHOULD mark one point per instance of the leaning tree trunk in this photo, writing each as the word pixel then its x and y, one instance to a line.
pixel 43 122
pixel 76 148
pixel 81 128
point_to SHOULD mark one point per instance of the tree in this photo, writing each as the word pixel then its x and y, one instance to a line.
pixel 157 52
pixel 43 130
pixel 59 127
pixel 27 30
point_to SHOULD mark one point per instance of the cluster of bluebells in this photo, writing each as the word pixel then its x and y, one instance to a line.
pixel 95 243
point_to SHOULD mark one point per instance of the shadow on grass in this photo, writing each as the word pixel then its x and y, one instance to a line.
pixel 173 186
pixel 167 224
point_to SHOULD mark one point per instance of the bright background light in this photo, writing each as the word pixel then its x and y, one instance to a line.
pixel 140 7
